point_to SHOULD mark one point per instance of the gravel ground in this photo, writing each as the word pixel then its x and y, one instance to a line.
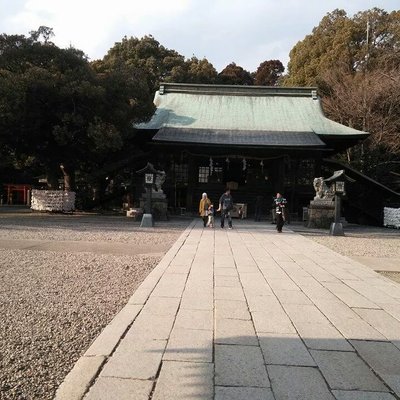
pixel 359 246
pixel 82 227
pixel 54 304
pixel 360 241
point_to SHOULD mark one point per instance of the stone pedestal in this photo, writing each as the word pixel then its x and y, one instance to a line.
pixel 159 205
pixel 336 229
pixel 321 213
pixel 147 221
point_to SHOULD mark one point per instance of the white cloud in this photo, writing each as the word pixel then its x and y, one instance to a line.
pixel 247 32
pixel 86 24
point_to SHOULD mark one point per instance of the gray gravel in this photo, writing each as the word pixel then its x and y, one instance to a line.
pixel 54 304
pixel 363 247
pixel 362 241
pixel 83 227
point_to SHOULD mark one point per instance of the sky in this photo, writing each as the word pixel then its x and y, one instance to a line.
pixel 246 32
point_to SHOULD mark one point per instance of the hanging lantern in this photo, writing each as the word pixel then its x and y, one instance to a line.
pixel 244 164
pixel 262 165
pixel 211 165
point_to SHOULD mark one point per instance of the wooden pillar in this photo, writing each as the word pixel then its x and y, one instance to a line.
pixel 318 167
pixel 294 175
pixel 280 184
pixel 192 177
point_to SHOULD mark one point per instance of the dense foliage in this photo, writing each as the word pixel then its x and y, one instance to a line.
pixel 355 63
pixel 269 73
pixel 63 116
pixel 57 108
pixel 234 74
pixel 157 63
pixel 160 64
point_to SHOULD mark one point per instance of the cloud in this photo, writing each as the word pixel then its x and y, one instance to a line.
pixel 246 32
pixel 86 24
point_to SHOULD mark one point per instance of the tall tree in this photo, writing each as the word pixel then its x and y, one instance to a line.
pixel 369 102
pixel 355 62
pixel 329 44
pixel 200 71
pixel 156 61
pixel 340 42
pixel 268 73
pixel 234 74
pixel 56 109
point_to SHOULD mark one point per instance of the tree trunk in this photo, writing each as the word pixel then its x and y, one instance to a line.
pixel 67 178
pixel 52 178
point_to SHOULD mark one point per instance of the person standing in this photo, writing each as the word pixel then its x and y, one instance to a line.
pixel 210 214
pixel 279 205
pixel 203 208
pixel 225 206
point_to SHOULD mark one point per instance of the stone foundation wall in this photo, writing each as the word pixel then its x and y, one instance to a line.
pixel 52 200
pixel 321 214
pixel 159 207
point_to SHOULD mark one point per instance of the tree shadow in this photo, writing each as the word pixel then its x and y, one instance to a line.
pixel 281 366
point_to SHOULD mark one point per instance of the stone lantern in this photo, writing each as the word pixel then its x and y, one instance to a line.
pixel 337 182
pixel 149 173
pixel 153 200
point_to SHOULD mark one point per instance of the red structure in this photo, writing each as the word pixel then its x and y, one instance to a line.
pixel 17 193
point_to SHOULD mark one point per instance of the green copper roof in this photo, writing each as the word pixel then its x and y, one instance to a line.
pixel 186 112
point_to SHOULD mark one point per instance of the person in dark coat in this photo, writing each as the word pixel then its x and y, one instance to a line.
pixel 225 206
pixel 280 209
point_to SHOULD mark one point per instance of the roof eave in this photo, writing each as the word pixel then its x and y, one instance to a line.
pixel 360 136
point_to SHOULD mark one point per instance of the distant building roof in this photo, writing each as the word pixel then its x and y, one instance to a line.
pixel 242 115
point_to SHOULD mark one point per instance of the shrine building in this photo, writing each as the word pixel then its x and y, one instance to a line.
pixel 256 140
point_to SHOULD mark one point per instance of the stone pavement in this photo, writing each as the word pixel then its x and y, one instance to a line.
pixel 248 314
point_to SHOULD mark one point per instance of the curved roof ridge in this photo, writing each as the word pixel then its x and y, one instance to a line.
pixel 239 90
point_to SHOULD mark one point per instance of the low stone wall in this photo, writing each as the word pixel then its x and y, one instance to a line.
pixel 52 200
pixel 391 217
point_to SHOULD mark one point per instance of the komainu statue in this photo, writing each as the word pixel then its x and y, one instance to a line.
pixel 322 191
pixel 159 180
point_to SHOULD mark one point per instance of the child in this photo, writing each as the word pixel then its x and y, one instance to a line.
pixel 210 213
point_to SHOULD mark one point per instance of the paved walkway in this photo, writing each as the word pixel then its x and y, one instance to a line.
pixel 248 314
